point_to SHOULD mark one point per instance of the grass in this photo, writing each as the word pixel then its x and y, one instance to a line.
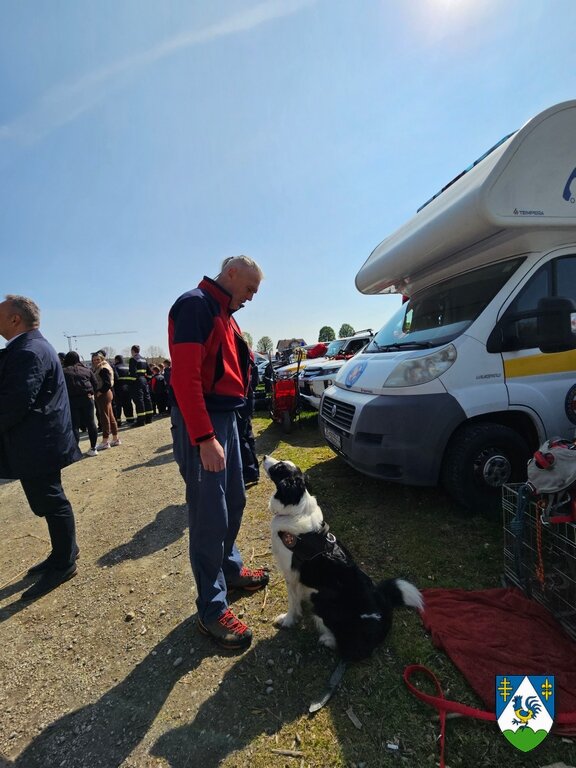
pixel 392 530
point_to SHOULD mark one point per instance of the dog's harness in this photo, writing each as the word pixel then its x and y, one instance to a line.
pixel 309 545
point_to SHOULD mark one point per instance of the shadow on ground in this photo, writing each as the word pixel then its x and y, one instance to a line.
pixel 167 527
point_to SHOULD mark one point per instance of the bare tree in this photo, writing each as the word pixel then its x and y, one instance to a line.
pixel 154 351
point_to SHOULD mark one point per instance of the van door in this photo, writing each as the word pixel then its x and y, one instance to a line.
pixel 538 383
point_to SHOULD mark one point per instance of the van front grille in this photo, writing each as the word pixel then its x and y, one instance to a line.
pixel 337 412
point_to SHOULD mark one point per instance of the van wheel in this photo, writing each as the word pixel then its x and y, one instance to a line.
pixel 479 460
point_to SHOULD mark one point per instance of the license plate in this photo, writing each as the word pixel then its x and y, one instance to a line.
pixel 333 437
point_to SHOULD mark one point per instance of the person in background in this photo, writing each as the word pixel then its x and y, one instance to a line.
pixel 209 379
pixel 140 370
pixel 159 391
pixel 122 388
pixel 36 438
pixel 105 381
pixel 81 385
pixel 167 374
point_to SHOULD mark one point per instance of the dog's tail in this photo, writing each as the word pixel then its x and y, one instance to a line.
pixel 398 593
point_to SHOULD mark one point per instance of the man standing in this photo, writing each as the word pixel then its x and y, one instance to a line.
pixel 36 437
pixel 209 380
pixel 139 371
pixel 123 382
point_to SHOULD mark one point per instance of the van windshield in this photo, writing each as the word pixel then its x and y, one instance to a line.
pixel 441 312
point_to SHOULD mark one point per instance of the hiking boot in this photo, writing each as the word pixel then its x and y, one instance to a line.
pixel 249 580
pixel 227 631
pixel 50 579
pixel 45 565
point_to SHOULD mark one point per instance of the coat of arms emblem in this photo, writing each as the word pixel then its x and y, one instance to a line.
pixel 525 708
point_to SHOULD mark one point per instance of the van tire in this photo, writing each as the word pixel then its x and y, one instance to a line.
pixel 481 458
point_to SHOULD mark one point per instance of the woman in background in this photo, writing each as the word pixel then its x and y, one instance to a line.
pixel 104 395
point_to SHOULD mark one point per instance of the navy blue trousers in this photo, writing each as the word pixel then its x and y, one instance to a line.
pixel 47 499
pixel 216 502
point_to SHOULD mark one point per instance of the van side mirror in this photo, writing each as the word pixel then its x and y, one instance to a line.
pixel 555 329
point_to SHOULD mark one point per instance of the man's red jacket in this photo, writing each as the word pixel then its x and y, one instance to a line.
pixel 210 359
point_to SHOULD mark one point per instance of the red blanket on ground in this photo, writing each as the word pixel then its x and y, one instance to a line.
pixel 501 632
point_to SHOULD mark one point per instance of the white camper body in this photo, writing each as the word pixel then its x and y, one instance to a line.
pixel 455 386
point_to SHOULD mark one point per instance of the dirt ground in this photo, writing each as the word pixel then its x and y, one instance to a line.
pixel 108 669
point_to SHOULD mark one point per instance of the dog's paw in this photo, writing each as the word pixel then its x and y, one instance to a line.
pixel 285 621
pixel 328 640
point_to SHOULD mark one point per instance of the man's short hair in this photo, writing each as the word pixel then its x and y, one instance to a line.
pixel 236 261
pixel 118 359
pixel 136 348
pixel 26 308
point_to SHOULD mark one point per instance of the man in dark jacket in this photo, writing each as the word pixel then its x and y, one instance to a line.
pixel 36 438
pixel 123 383
pixel 140 370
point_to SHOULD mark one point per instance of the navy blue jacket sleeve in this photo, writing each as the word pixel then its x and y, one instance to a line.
pixel 20 387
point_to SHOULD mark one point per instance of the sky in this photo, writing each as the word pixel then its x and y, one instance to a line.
pixel 142 142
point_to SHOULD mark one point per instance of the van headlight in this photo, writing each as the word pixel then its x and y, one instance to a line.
pixel 421 370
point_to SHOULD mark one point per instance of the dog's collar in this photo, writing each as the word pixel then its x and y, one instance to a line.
pixel 308 545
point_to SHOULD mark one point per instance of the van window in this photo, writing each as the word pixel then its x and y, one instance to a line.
pixel 556 278
pixel 441 312
pixel 354 346
pixel 565 277
pixel 334 347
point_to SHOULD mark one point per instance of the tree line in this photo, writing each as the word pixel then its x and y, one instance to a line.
pixel 326 334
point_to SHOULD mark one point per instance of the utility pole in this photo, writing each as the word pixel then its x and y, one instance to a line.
pixel 83 335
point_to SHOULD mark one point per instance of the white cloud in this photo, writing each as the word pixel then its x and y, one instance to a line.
pixel 65 102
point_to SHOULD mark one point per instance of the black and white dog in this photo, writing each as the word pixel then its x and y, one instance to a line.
pixel 352 614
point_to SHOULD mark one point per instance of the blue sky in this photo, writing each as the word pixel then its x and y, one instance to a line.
pixel 142 142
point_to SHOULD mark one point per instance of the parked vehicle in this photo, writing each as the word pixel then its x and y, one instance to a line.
pixel 299 360
pixel 284 399
pixel 477 368
pixel 261 363
pixel 319 375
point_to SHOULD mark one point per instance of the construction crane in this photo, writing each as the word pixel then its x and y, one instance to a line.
pixel 83 335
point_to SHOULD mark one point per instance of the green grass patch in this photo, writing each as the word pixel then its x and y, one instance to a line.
pixel 393 530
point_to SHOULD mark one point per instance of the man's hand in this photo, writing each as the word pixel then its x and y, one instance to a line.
pixel 212 456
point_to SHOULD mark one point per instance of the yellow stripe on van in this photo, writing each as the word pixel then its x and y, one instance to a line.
pixel 534 365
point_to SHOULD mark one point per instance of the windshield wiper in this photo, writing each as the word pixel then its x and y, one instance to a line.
pixel 404 345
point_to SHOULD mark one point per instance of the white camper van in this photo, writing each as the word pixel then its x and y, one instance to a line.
pixel 478 365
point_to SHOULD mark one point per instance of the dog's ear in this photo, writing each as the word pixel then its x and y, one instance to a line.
pixel 290 490
pixel 307 483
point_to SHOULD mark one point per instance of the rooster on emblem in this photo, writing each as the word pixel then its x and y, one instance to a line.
pixel 526 713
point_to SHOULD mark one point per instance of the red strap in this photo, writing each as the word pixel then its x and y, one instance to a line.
pixel 442 704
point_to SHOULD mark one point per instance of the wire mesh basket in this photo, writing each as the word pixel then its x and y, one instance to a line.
pixel 540 558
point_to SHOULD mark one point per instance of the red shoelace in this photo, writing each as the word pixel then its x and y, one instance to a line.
pixel 232 623
pixel 260 573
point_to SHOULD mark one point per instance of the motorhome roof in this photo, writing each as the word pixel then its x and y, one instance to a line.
pixel 525 185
